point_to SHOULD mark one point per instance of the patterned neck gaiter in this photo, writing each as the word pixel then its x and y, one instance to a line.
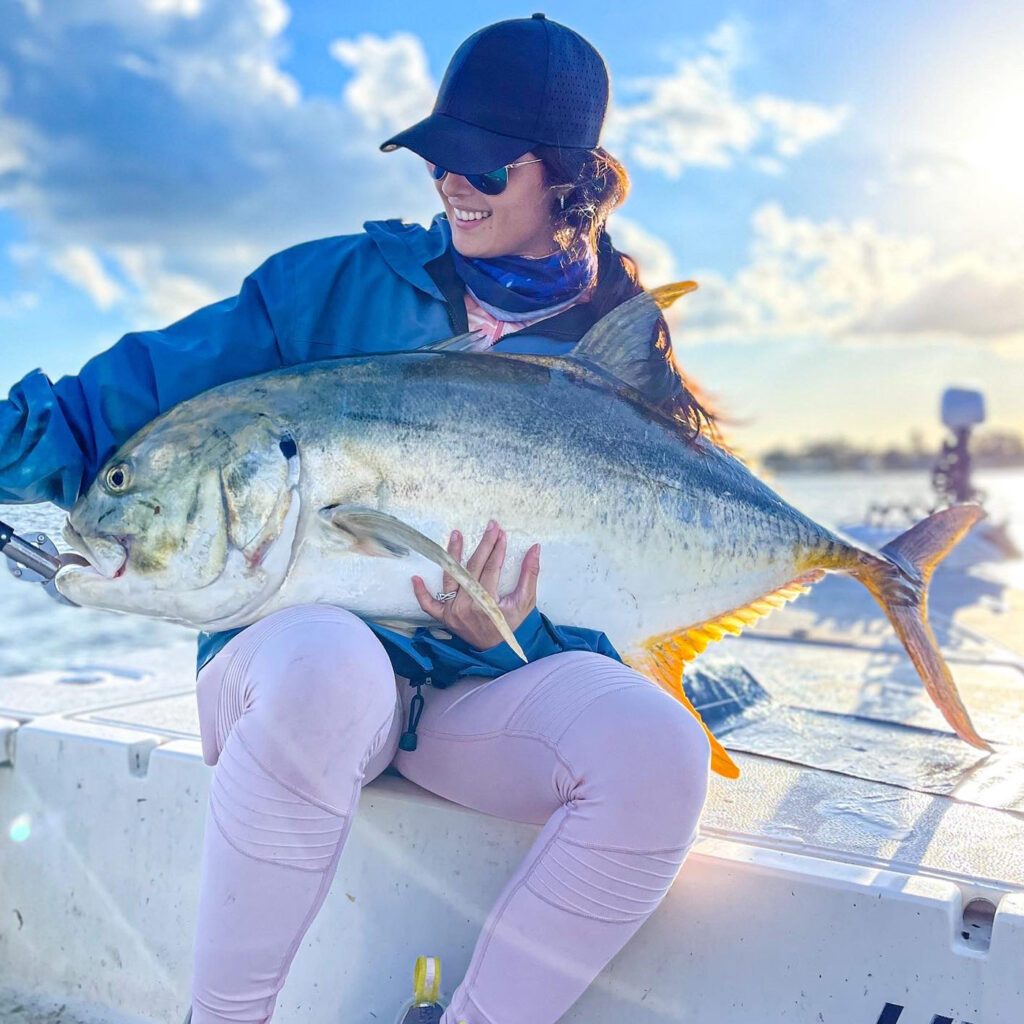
pixel 519 287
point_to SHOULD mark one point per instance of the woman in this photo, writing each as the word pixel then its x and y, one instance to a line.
pixel 303 708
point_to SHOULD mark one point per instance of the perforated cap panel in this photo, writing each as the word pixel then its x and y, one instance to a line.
pixel 527 80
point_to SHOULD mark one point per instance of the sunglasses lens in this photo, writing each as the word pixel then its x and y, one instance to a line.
pixel 492 183
pixel 437 173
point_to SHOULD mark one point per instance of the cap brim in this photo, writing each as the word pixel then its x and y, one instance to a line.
pixel 457 145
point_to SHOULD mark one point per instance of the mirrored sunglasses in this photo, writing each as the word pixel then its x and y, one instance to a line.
pixel 491 183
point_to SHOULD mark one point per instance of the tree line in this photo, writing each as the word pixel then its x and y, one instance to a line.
pixel 988 450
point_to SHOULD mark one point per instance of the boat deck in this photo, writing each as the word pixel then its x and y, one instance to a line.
pixel 852 784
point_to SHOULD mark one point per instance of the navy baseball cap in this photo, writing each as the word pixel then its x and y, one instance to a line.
pixel 508 87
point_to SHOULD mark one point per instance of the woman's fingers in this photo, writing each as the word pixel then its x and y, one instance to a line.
pixel 524 597
pixel 478 559
pixel 492 567
pixel 427 601
pixel 448 583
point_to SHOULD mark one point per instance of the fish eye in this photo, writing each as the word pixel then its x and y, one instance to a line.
pixel 118 477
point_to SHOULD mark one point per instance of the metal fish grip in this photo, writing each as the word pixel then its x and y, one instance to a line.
pixel 32 561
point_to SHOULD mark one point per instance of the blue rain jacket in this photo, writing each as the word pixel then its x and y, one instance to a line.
pixel 388 289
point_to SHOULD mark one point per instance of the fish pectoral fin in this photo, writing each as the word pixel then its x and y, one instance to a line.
pixel 409 628
pixel 368 531
pixel 459 343
pixel 404 627
pixel 383 536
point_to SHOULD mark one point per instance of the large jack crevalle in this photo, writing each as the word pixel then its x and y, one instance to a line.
pixel 335 481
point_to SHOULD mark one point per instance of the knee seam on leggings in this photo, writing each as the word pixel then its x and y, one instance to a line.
pixel 603 848
pixel 607 683
pixel 315 801
pixel 341 815
pixel 565 896
pixel 267 860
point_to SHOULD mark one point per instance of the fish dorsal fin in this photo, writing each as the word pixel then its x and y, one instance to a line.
pixel 620 342
pixel 663 658
pixel 457 343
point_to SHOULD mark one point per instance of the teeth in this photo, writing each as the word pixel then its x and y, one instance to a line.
pixel 469 214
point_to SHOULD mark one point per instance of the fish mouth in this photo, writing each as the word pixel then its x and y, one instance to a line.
pixel 107 556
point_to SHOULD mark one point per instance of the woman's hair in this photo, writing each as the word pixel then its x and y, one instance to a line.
pixel 599 184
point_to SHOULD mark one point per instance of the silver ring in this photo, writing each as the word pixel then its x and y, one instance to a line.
pixel 448 595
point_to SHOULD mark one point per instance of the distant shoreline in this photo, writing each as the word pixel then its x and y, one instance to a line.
pixel 814 466
pixel 995 450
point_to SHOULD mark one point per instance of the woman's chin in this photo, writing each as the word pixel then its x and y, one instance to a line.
pixel 473 248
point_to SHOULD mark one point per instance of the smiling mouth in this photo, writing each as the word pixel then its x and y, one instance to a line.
pixel 469 216
pixel 107 556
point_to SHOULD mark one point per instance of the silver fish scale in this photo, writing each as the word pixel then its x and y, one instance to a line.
pixel 641 531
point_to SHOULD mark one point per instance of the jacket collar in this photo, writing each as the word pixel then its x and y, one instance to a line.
pixel 422 256
pixel 407 248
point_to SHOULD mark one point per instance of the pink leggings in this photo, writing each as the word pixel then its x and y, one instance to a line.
pixel 302 709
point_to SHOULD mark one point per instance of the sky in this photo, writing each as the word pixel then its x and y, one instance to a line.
pixel 843 180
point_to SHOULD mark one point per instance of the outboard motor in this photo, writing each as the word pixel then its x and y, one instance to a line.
pixel 962 410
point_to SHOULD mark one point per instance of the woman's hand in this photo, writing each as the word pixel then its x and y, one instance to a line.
pixel 463 616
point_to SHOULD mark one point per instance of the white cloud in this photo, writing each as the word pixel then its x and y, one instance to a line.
pixel 694 117
pixel 392 87
pixel 12 152
pixel 12 156
pixel 272 16
pixel 182 154
pixel 652 254
pixel 19 302
pixel 726 40
pixel 923 168
pixel 966 295
pixel 796 125
pixel 162 296
pixel 178 8
pixel 768 165
pixel 854 283
pixel 81 267
pixel 220 83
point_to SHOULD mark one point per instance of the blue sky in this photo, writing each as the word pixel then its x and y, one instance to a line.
pixel 842 179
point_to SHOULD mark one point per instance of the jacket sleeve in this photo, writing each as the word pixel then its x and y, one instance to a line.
pixel 443 661
pixel 54 438
pixel 539 637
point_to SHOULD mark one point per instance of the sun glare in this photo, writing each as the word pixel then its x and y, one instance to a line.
pixel 21 828
pixel 994 148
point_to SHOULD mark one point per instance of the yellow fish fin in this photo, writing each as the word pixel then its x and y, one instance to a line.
pixel 663 658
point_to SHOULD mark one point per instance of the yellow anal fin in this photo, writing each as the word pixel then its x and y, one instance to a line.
pixel 666 669
pixel 663 658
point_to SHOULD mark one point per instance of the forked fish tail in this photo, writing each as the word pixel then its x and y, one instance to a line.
pixel 899 582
